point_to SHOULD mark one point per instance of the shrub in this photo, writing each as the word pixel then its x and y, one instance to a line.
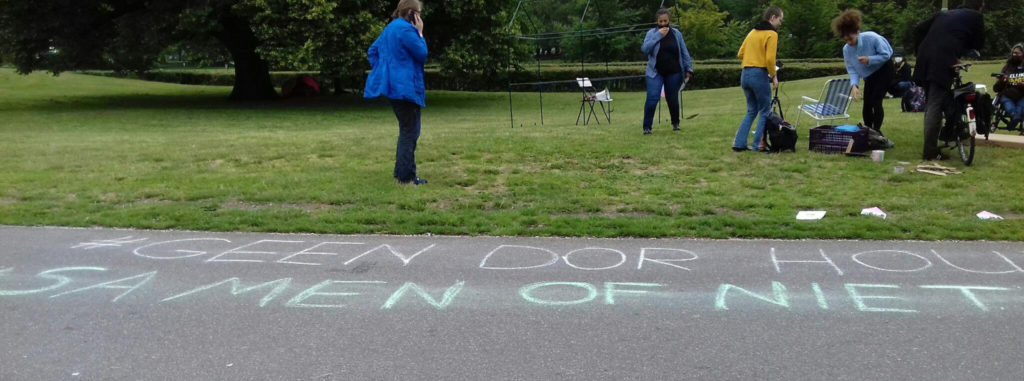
pixel 707 75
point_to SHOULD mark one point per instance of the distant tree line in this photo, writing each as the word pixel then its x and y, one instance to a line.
pixel 464 36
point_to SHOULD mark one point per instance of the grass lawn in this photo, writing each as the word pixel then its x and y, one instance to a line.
pixel 91 151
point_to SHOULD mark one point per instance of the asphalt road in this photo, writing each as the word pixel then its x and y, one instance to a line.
pixel 104 304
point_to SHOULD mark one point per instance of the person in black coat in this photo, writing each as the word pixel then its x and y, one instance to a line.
pixel 903 79
pixel 940 43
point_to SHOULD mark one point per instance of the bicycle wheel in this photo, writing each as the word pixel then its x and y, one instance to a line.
pixel 965 142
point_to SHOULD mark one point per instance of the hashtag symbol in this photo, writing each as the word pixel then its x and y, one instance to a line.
pixel 116 242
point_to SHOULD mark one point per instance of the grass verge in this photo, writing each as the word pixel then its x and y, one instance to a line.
pixel 90 151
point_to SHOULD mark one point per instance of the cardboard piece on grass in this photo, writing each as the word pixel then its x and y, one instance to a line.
pixel 875 211
pixel 810 215
pixel 986 215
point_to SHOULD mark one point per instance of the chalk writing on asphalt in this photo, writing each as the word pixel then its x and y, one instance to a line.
pixel 791 280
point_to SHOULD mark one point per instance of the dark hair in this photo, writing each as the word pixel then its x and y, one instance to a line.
pixel 847 23
pixel 662 11
pixel 772 11
pixel 973 4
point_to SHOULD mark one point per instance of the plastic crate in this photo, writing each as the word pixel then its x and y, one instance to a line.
pixel 825 139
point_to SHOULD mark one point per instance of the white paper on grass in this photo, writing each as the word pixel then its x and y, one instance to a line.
pixel 876 211
pixel 986 215
pixel 809 215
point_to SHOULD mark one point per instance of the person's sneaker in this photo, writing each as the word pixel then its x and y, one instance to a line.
pixel 940 156
pixel 740 149
pixel 675 128
pixel 416 181
pixel 647 132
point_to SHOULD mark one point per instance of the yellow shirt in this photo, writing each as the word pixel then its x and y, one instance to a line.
pixel 758 50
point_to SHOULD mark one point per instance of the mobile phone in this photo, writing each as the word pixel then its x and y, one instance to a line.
pixel 411 18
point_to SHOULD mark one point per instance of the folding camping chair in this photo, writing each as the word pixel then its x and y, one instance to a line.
pixel 832 104
pixel 603 97
pixel 590 97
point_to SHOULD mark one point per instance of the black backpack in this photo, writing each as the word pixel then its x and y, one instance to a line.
pixel 983 111
pixel 779 135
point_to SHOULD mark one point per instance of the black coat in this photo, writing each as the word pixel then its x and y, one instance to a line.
pixel 942 40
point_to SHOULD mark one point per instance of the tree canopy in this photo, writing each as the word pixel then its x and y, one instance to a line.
pixel 332 36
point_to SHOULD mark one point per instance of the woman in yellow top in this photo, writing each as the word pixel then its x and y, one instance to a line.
pixel 758 78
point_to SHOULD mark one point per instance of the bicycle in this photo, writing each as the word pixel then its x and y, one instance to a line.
pixel 961 124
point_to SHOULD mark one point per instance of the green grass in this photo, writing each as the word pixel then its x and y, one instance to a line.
pixel 90 151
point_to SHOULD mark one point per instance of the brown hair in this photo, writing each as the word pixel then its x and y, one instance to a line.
pixel 405 7
pixel 847 23
pixel 772 11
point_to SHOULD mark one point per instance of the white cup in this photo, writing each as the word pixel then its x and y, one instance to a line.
pixel 877 155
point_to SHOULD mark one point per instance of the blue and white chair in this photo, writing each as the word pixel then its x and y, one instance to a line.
pixel 832 104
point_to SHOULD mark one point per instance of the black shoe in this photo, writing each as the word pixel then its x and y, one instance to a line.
pixel 675 128
pixel 647 132
pixel 740 149
pixel 416 181
pixel 940 156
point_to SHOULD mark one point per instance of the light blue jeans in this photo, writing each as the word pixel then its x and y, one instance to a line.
pixel 758 89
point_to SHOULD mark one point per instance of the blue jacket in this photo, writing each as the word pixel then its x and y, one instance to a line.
pixel 652 45
pixel 396 64
pixel 871 45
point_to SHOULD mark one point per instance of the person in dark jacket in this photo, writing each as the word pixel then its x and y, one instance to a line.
pixel 668 66
pixel 1010 86
pixel 903 79
pixel 396 62
pixel 940 43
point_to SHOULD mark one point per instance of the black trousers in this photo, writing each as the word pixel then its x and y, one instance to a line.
pixel 875 87
pixel 936 99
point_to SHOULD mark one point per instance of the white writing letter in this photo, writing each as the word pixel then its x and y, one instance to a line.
pixel 553 257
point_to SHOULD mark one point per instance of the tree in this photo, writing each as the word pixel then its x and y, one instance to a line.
pixel 331 36
pixel 470 36
pixel 743 10
pixel 701 23
pixel 1003 22
pixel 806 30
pixel 126 35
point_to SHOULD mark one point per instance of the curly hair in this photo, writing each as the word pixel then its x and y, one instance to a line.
pixel 847 23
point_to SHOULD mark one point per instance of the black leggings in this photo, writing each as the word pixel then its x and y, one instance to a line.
pixel 875 86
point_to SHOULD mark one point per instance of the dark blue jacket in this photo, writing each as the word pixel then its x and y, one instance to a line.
pixel 396 64
pixel 942 40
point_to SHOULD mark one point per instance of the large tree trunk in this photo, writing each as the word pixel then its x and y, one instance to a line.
pixel 252 74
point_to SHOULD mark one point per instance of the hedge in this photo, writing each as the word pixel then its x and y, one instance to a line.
pixel 706 76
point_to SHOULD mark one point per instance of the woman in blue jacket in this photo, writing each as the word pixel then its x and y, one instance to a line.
pixel 396 72
pixel 867 56
pixel 668 62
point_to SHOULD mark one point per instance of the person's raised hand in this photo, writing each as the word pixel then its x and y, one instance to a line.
pixel 863 59
pixel 663 31
pixel 418 24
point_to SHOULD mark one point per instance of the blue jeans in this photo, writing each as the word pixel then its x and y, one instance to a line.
pixel 758 89
pixel 1015 109
pixel 672 83
pixel 899 88
pixel 408 114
